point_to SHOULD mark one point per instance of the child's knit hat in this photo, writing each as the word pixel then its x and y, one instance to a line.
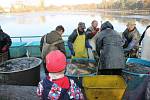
pixel 55 61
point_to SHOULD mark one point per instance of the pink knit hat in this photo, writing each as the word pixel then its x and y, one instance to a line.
pixel 55 61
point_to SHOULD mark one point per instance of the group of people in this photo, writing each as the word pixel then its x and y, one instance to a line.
pixel 104 42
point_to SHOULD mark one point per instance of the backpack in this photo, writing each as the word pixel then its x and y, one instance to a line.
pixel 49 47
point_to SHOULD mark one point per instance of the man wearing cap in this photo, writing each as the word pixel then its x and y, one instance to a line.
pixel 5 43
pixel 78 43
pixel 131 38
pixel 57 86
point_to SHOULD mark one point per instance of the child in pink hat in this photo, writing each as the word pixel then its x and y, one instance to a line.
pixel 57 86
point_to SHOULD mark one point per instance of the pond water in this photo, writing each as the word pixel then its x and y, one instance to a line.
pixel 40 23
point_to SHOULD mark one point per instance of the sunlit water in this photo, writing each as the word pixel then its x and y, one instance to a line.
pixel 38 24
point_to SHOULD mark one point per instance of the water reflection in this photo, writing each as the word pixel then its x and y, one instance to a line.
pixel 29 24
pixel 29 20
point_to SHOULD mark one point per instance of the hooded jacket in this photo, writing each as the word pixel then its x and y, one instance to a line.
pixel 109 47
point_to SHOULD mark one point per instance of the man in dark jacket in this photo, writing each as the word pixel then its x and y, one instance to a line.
pixel 109 48
pixel 131 38
pixel 5 43
pixel 52 41
pixel 90 33
pixel 78 43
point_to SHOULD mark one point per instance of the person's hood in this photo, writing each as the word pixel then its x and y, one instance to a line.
pixel 106 25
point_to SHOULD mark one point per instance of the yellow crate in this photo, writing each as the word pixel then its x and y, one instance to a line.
pixel 104 87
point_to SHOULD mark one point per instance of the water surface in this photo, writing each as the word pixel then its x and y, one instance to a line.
pixel 40 23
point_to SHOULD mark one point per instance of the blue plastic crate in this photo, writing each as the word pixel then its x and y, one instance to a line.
pixel 17 49
pixel 33 49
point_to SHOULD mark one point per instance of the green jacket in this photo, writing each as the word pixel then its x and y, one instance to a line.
pixel 51 38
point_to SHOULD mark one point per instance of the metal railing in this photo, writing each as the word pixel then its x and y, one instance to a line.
pixel 21 37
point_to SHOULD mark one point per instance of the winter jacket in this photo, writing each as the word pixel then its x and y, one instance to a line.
pixel 52 37
pixel 109 48
pixel 49 90
pixel 5 40
pixel 131 39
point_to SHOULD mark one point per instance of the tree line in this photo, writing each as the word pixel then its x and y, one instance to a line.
pixel 125 4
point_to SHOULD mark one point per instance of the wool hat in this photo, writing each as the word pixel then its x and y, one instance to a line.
pixel 82 25
pixel 55 61
pixel 131 22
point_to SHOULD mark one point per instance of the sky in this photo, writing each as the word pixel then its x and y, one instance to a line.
pixel 8 3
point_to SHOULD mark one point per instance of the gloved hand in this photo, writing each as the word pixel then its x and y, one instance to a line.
pixel 72 52
pixel 5 48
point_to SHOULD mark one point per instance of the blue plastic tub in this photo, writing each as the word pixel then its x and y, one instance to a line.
pixel 138 61
pixel 136 81
pixel 78 78
pixel 134 78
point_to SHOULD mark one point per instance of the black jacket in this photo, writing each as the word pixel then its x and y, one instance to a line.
pixel 4 40
pixel 109 47
pixel 73 37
